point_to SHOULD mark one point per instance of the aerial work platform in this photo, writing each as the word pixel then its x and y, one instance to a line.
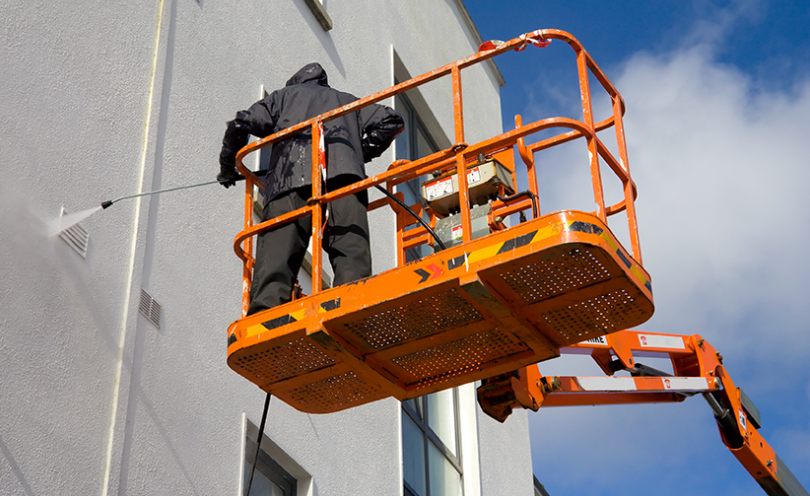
pixel 467 313
pixel 486 306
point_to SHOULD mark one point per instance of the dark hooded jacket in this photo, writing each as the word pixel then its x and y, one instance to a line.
pixel 351 140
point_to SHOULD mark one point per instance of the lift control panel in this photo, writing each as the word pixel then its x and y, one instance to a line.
pixel 483 178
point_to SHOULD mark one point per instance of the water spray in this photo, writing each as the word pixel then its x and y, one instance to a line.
pixel 69 220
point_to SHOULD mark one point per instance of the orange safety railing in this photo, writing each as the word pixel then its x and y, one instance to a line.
pixel 456 157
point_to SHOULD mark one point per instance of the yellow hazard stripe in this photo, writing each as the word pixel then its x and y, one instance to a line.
pixel 634 268
pixel 484 253
pixel 254 329
pixel 492 250
pixel 609 240
pixel 638 273
pixel 547 232
pixel 260 328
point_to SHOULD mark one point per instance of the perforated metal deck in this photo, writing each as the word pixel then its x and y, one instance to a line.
pixel 494 305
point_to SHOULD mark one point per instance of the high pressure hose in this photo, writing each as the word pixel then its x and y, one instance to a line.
pixel 415 216
pixel 528 193
pixel 258 443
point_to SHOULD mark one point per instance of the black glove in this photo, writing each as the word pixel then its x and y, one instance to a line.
pixel 228 175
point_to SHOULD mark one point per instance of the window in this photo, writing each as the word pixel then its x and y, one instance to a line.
pixel 430 445
pixel 539 489
pixel 414 142
pixel 277 474
pixel 270 478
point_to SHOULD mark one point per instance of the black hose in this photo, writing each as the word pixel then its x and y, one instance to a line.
pixel 518 195
pixel 258 444
pixel 420 219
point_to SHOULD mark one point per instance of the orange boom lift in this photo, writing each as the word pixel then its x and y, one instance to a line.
pixel 499 299
pixel 483 307
pixel 698 369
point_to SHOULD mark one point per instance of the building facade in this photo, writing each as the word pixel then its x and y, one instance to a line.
pixel 113 376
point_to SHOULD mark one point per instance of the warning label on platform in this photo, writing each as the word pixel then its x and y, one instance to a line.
pixel 438 189
pixel 473 175
pixel 458 233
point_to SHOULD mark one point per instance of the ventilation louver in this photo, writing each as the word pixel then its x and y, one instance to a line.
pixel 76 236
pixel 150 308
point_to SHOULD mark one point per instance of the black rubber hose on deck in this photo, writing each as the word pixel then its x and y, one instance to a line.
pixel 518 195
pixel 420 219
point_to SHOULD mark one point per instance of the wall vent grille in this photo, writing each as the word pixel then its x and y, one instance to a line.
pixel 76 236
pixel 150 309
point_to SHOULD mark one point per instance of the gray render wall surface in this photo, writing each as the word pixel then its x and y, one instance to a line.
pixel 74 85
pixel 95 399
pixel 505 454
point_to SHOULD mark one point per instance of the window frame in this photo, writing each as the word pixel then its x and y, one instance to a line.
pixel 432 437
pixel 270 469
pixel 301 479
pixel 414 125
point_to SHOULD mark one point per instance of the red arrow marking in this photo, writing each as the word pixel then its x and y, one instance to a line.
pixel 437 271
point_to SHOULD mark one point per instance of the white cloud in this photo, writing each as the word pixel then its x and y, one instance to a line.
pixel 722 171
pixel 716 23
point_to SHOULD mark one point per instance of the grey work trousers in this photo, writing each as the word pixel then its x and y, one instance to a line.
pixel 280 252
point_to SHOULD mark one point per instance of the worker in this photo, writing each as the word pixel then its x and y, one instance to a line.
pixel 351 141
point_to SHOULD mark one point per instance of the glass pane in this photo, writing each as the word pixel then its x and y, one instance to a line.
pixel 262 486
pixel 441 411
pixel 423 146
pixel 403 141
pixel 444 480
pixel 416 405
pixel 413 455
pixel 411 192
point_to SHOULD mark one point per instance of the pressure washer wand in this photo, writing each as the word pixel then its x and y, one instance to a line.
pixel 67 221
pixel 107 203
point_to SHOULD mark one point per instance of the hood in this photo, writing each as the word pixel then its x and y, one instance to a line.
pixel 309 73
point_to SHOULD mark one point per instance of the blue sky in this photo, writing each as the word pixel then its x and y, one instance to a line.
pixel 718 111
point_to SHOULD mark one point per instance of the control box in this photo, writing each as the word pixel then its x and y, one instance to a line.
pixel 483 178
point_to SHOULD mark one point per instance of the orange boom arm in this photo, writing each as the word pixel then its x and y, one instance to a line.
pixel 697 369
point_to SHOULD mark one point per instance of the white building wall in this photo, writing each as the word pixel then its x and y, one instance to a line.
pixel 503 453
pixel 104 99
